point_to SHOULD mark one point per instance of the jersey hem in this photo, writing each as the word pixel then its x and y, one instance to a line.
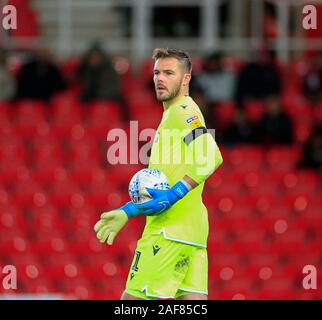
pixel 162 231
pixel 153 295
pixel 193 291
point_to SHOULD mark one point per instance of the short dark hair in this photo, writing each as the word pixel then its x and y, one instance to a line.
pixel 182 56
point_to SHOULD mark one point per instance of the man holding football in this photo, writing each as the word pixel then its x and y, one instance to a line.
pixel 171 256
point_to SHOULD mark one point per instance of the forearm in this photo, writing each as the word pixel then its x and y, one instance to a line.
pixel 206 159
pixel 189 182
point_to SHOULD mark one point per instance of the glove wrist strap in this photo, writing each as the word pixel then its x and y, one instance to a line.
pixel 130 210
pixel 179 191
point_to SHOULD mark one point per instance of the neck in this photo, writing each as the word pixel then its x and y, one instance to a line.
pixel 169 103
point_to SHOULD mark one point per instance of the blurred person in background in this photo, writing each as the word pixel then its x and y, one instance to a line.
pixel 214 85
pixel 240 131
pixel 7 83
pixel 99 79
pixel 258 79
pixel 39 78
pixel 312 80
pixel 312 150
pixel 216 82
pixel 275 126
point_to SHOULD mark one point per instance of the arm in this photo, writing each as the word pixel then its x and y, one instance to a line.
pixel 207 158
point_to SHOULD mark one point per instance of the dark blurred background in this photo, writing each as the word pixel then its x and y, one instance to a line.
pixel 73 70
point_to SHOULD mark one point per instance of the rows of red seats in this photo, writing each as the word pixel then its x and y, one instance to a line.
pixel 265 215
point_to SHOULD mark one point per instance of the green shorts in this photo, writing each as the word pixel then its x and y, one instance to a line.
pixel 167 269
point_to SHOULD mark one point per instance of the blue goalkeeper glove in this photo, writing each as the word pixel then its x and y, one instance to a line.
pixel 130 209
pixel 162 199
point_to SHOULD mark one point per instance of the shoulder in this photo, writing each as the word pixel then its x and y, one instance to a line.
pixel 186 107
pixel 186 114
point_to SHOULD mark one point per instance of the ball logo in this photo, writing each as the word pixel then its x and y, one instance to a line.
pixel 310 20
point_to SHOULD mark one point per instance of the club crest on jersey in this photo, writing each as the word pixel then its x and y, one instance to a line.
pixel 194 122
pixel 189 120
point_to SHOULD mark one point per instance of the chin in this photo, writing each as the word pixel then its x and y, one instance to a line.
pixel 162 98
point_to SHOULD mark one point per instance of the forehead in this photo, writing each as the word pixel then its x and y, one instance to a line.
pixel 167 64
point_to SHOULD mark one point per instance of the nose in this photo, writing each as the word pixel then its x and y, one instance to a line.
pixel 159 78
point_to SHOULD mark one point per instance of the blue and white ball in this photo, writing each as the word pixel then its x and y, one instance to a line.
pixel 146 178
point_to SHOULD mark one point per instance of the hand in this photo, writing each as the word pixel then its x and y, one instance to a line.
pixel 162 199
pixel 110 224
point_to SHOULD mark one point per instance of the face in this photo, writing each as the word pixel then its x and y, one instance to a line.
pixel 169 78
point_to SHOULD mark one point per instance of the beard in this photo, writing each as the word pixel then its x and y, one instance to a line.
pixel 172 94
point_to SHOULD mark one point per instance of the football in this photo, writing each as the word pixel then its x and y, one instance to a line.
pixel 146 178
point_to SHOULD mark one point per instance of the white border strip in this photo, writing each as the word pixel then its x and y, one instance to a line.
pixel 153 295
pixel 193 291
pixel 182 241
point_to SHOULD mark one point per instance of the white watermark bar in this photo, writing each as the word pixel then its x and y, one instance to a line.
pixel 134 147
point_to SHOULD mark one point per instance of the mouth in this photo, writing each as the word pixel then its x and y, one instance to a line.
pixel 161 88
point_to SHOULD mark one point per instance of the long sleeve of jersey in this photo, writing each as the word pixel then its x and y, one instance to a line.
pixel 206 156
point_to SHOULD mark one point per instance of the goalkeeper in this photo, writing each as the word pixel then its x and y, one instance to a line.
pixel 171 257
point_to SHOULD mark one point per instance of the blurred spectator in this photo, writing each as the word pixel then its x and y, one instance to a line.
pixel 275 125
pixel 99 79
pixel 312 150
pixel 7 84
pixel 240 131
pixel 215 84
pixel 39 78
pixel 312 81
pixel 258 79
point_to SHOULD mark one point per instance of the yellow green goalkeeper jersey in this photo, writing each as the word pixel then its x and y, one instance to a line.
pixel 187 220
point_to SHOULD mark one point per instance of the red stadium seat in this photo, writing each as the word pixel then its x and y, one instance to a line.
pixel 254 110
pixel 301 182
pixel 225 183
pixel 48 244
pixel 12 218
pixel 276 289
pixel 46 172
pixel 13 243
pixel 28 193
pixel 6 128
pixel 106 196
pixel 30 117
pixel 83 152
pixel 246 158
pixel 225 113
pixel 107 111
pixel 66 105
pixel 65 193
pixel 12 149
pixel 104 116
pixel 48 151
pixel 283 158
pixel 47 218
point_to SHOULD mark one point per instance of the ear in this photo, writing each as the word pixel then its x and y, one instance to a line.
pixel 186 79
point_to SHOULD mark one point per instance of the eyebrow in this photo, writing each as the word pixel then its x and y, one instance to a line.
pixel 166 70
